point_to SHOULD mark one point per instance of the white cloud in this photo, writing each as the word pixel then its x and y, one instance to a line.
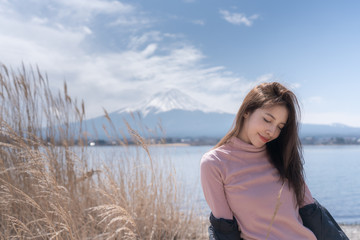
pixel 199 22
pixel 238 18
pixel 39 21
pixel 96 6
pixel 102 78
pixel 87 30
pixel 295 85
pixel 138 41
pixel 130 21
pixel 72 12
pixel 315 100
pixel 112 79
pixel 33 42
pixel 265 78
pixel 76 11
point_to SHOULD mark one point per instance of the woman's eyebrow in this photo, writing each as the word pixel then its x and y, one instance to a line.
pixel 269 114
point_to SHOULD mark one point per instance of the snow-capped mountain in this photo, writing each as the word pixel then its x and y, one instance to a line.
pixel 166 101
pixel 171 113
pixel 174 114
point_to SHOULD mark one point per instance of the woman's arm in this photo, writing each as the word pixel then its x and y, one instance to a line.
pixel 213 187
pixel 308 198
pixel 223 224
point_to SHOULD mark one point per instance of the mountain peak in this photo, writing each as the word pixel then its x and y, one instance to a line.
pixel 168 100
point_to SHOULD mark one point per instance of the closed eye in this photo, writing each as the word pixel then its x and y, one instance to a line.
pixel 268 121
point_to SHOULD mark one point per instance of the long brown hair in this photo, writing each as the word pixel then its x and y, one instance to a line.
pixel 285 151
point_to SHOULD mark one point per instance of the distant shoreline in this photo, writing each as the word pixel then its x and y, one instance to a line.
pixel 212 141
pixel 179 144
pixel 170 145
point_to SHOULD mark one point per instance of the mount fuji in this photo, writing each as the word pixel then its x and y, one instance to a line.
pixel 174 114
pixel 170 113
pixel 166 101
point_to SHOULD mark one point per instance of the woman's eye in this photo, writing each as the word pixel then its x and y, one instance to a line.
pixel 266 120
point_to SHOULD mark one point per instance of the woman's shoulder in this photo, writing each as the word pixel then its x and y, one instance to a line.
pixel 215 155
pixel 211 161
pixel 210 155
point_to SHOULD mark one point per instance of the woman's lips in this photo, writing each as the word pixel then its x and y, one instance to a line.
pixel 264 139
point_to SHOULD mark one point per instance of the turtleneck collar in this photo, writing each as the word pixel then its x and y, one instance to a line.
pixel 237 143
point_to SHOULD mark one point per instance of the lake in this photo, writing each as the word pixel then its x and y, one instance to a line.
pixel 332 174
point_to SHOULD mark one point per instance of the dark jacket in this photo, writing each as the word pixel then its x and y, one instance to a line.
pixel 314 216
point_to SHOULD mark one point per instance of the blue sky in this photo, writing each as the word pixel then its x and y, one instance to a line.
pixel 115 53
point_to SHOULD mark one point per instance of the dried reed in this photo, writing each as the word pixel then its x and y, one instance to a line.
pixel 48 189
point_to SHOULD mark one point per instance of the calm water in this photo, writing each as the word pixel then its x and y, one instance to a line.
pixel 332 174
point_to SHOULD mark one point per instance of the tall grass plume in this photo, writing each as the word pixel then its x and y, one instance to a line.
pixel 51 189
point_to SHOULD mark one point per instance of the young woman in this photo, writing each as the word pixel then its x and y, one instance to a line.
pixel 253 179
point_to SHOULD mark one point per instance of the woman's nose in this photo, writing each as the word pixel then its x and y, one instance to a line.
pixel 271 130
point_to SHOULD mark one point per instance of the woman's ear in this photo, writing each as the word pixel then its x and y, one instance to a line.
pixel 246 115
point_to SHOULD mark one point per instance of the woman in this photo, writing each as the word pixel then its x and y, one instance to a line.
pixel 253 179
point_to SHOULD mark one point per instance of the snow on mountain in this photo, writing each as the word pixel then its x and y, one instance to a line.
pixel 171 112
pixel 178 115
pixel 165 101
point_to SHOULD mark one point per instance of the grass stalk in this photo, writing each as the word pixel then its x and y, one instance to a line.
pixel 52 186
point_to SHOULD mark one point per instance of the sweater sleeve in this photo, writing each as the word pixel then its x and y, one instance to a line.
pixel 308 198
pixel 213 186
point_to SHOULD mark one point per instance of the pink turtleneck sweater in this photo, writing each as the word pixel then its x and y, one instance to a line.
pixel 238 180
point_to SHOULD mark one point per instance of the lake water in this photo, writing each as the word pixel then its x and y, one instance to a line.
pixel 332 174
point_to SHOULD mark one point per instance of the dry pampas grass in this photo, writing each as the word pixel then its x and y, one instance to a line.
pixel 48 189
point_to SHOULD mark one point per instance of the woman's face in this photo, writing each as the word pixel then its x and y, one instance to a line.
pixel 263 125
